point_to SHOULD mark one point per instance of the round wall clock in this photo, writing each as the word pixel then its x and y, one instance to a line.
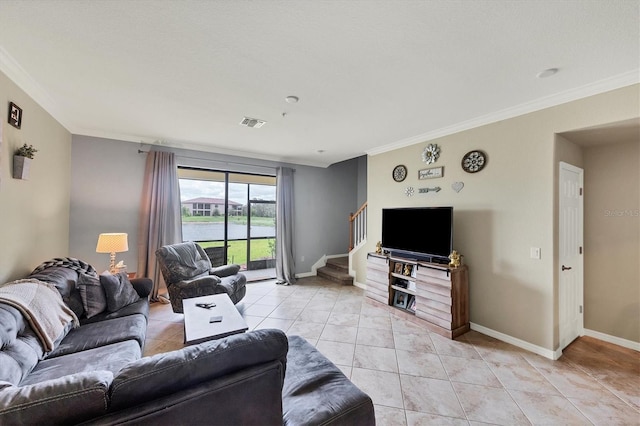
pixel 431 153
pixel 474 161
pixel 399 173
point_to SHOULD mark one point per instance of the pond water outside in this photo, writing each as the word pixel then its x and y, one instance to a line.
pixel 206 231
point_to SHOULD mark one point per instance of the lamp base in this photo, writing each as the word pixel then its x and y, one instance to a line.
pixel 112 262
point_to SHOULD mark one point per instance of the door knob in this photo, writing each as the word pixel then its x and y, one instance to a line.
pixel 566 268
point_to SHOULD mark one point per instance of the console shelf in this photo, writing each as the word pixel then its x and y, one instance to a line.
pixel 439 295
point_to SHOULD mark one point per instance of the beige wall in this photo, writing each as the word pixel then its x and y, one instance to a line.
pixel 612 239
pixel 502 211
pixel 34 213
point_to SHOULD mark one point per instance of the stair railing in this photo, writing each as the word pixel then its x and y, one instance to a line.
pixel 358 226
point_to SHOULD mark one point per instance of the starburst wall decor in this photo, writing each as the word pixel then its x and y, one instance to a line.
pixel 431 153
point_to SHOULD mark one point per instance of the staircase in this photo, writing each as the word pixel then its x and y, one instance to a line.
pixel 337 270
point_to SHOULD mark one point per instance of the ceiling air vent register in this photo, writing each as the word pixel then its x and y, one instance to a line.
pixel 252 122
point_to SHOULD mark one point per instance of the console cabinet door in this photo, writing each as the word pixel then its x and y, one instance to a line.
pixel 378 279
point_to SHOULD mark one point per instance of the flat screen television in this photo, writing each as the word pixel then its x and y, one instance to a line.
pixel 423 233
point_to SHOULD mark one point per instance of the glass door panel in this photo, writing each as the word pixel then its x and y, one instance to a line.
pixel 232 211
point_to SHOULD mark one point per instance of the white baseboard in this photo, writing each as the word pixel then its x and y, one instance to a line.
pixel 360 285
pixel 630 344
pixel 305 274
pixel 547 353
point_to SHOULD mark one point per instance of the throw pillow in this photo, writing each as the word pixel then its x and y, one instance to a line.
pixel 92 294
pixel 119 290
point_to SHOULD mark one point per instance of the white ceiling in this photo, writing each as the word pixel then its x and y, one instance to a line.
pixel 371 75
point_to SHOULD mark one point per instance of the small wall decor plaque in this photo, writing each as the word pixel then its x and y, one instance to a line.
pixel 15 115
pixel 409 191
pixel 431 173
pixel 427 190
pixel 457 186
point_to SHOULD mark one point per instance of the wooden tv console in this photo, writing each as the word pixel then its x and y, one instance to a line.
pixel 436 294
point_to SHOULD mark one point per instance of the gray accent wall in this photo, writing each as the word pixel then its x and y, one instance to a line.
pixel 106 189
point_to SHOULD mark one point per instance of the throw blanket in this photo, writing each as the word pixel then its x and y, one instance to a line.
pixel 67 262
pixel 42 306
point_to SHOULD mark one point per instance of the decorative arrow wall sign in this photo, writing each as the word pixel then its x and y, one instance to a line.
pixel 426 190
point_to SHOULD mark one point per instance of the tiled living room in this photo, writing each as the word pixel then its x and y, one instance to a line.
pixel 416 377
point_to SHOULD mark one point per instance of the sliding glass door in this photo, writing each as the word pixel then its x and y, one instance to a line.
pixel 231 215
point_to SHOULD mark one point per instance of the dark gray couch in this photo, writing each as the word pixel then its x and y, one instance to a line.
pixel 96 375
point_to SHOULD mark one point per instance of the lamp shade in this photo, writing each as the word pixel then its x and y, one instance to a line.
pixel 112 243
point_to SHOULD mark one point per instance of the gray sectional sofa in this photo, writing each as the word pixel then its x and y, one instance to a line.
pixel 96 374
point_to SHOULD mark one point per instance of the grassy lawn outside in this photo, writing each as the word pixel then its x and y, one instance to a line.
pixel 240 220
pixel 237 251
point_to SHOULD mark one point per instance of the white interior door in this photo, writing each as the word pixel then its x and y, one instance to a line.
pixel 571 318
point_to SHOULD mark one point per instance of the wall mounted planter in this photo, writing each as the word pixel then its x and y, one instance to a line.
pixel 21 167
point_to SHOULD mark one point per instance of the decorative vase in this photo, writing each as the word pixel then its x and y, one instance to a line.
pixel 21 167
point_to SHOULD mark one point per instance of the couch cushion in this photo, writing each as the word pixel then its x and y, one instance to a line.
pixel 316 392
pixel 102 333
pixel 67 400
pixel 66 282
pixel 142 285
pixel 110 358
pixel 20 348
pixel 118 290
pixel 141 307
pixel 92 294
pixel 153 377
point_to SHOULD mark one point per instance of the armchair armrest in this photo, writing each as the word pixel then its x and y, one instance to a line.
pixel 225 270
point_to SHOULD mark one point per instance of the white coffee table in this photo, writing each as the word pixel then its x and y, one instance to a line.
pixel 197 327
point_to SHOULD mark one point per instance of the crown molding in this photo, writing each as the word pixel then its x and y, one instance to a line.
pixel 602 86
pixel 159 144
pixel 13 70
pixel 21 78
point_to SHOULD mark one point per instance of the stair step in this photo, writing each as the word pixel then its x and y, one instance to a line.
pixel 335 275
pixel 339 263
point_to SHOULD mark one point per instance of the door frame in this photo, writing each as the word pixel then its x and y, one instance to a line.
pixel 562 340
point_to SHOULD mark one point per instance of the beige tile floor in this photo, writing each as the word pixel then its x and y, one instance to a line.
pixel 416 378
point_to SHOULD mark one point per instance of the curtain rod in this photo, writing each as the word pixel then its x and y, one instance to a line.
pixel 140 151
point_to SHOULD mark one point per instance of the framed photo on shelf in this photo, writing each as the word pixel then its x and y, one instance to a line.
pixel 397 269
pixel 411 303
pixel 400 300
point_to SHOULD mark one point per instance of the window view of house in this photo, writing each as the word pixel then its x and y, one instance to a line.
pixel 231 215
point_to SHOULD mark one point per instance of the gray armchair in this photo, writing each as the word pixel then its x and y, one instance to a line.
pixel 187 271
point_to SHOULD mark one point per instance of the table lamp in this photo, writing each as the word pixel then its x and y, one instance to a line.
pixel 112 243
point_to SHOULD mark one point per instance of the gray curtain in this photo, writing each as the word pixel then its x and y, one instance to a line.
pixel 160 222
pixel 285 260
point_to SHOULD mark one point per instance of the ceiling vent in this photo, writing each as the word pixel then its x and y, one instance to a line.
pixel 252 122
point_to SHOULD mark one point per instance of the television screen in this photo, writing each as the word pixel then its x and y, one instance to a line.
pixel 425 233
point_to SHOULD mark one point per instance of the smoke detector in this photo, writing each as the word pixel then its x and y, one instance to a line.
pixel 252 122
